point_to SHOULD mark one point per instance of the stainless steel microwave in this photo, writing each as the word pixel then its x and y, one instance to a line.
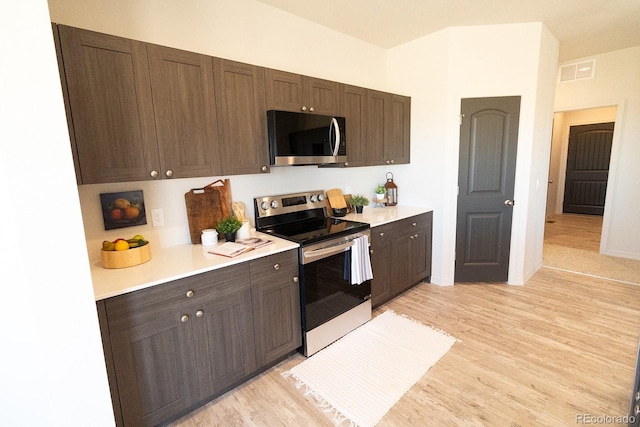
pixel 305 139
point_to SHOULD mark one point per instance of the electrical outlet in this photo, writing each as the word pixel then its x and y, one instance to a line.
pixel 157 217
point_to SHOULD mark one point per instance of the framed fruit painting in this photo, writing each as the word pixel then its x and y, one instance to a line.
pixel 123 209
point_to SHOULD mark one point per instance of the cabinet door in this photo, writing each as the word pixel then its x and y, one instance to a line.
pixel 377 110
pixel 382 264
pixel 110 96
pixel 185 112
pixel 284 91
pixel 276 306
pixel 223 328
pixel 295 92
pixel 354 104
pixel 397 145
pixel 155 369
pixel 322 97
pixel 242 117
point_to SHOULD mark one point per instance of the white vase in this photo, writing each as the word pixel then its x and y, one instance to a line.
pixel 244 232
pixel 379 196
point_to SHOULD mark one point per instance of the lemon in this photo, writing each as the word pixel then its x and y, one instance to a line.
pixel 122 245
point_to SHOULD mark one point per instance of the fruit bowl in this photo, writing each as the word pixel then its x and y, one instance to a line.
pixel 127 258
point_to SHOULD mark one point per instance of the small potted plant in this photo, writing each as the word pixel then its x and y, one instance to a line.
pixel 228 226
pixel 381 191
pixel 358 201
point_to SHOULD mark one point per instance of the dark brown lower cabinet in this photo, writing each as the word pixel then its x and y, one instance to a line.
pixel 178 345
pixel 401 256
pixel 275 295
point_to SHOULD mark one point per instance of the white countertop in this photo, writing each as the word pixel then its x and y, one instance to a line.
pixel 379 215
pixel 181 261
pixel 175 262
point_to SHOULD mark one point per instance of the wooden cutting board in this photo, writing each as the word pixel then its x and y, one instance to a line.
pixel 207 206
pixel 336 199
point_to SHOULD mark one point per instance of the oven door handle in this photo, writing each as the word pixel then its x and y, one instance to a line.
pixel 326 252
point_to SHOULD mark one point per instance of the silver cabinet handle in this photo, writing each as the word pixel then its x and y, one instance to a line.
pixel 184 318
pixel 154 174
pixel 295 279
pixel 312 109
pixel 304 108
pixel 382 234
pixel 199 313
pixel 264 169
pixel 509 202
pixel 276 266
pixel 189 293
pixel 346 164
pixel 413 224
pixel 636 410
pixel 169 173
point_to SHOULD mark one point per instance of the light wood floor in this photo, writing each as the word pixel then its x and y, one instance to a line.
pixel 540 354
pixel 574 231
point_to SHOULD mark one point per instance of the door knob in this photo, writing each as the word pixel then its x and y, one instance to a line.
pixel 509 202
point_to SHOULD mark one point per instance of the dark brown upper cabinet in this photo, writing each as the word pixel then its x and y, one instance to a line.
pixel 354 108
pixel 185 112
pixel 242 117
pixel 388 128
pixel 295 92
pixel 139 111
pixel 111 106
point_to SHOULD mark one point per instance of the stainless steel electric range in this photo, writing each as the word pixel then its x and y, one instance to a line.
pixel 332 301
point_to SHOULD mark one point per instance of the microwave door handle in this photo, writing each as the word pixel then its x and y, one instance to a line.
pixel 334 125
pixel 325 252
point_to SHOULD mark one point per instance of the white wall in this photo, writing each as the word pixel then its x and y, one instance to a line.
pixel 616 83
pixel 52 370
pixel 466 62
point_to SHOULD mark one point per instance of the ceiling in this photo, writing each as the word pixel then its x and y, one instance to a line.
pixel 583 27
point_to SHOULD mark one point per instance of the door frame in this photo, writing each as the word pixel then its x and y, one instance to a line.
pixel 613 162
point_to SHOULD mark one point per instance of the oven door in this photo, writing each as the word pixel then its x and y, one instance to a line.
pixel 327 292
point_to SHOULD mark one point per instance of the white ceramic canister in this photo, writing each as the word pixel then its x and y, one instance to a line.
pixel 209 237
pixel 244 232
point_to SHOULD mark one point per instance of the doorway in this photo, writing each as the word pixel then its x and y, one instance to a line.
pixel 562 123
pixel 587 173
pixel 559 158
pixel 486 179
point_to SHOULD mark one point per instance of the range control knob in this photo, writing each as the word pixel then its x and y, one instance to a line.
pixel 314 198
pixel 274 204
pixel 320 197
pixel 264 206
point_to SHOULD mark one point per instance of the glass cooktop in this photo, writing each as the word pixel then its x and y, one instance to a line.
pixel 315 230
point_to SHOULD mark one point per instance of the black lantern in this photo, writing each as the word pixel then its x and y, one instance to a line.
pixel 392 191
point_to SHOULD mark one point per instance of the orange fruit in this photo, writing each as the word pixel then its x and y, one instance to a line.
pixel 131 212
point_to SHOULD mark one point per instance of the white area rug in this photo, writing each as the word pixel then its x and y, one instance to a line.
pixel 363 374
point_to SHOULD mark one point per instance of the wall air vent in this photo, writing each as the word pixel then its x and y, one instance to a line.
pixel 577 71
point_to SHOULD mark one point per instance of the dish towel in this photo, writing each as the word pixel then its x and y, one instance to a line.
pixel 360 261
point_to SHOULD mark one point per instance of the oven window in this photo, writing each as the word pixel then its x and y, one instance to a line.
pixel 327 291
